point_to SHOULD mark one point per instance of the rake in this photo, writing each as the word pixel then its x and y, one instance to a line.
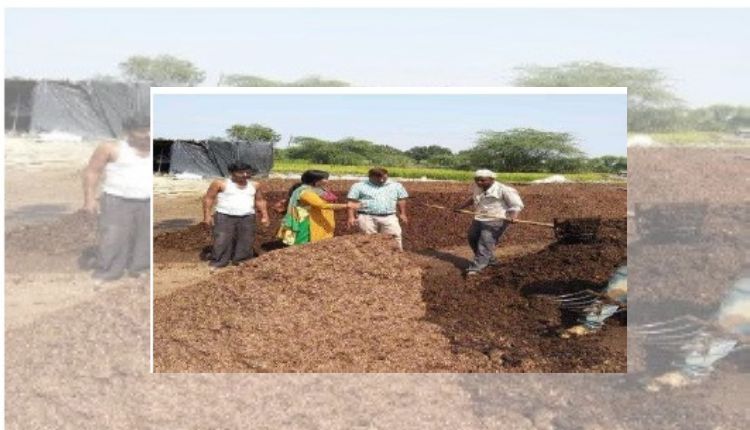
pixel 673 332
pixel 543 224
pixel 583 299
pixel 566 231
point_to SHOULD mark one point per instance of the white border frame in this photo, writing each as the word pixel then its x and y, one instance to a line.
pixel 383 4
pixel 387 91
pixel 302 91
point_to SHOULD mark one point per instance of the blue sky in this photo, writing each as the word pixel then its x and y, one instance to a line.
pixel 704 52
pixel 598 122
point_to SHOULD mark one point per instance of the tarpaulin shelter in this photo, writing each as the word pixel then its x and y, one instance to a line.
pixel 90 109
pixel 18 96
pixel 211 158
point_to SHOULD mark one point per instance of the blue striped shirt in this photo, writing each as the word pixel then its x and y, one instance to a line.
pixel 377 199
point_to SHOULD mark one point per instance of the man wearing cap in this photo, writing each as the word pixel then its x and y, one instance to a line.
pixel 379 197
pixel 494 203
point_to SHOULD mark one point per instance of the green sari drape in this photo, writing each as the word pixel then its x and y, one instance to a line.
pixel 295 226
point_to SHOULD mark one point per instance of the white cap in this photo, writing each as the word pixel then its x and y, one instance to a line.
pixel 484 173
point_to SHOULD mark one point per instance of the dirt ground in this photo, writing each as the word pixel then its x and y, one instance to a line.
pixel 43 186
pixel 480 320
pixel 79 358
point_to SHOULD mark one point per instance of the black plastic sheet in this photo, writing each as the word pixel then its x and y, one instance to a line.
pixel 90 109
pixel 212 158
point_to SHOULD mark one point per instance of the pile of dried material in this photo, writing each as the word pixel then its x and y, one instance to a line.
pixel 69 233
pixel 180 245
pixel 53 246
pixel 564 268
pixel 693 275
pixel 350 304
pixel 191 238
pixel 499 316
pixel 354 304
pixel 435 228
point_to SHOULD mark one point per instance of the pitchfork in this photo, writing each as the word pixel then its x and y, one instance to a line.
pixel 672 332
pixel 681 331
pixel 544 224
pixel 585 300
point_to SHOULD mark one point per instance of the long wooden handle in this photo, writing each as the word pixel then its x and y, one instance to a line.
pixel 544 224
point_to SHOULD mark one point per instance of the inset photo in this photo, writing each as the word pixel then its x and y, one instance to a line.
pixel 382 230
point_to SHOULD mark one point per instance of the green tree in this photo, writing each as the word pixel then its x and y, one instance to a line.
pixel 463 160
pixel 162 70
pixel 253 133
pixel 649 92
pixel 422 153
pixel 240 80
pixel 566 165
pixel 350 151
pixel 374 153
pixel 237 80
pixel 311 149
pixel 280 154
pixel 317 81
pixel 607 164
pixel 522 150
pixel 447 161
pixel 726 118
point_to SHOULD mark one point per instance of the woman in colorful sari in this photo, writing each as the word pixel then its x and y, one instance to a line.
pixel 309 216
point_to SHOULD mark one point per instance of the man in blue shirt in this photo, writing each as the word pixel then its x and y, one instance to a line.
pixel 379 197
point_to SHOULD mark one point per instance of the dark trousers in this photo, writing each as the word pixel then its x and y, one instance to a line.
pixel 483 238
pixel 124 237
pixel 233 239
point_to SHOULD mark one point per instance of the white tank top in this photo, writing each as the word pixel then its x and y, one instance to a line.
pixel 130 175
pixel 236 201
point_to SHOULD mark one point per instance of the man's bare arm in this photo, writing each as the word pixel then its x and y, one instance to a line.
pixel 465 204
pixel 92 175
pixel 261 204
pixel 351 219
pixel 209 200
pixel 402 215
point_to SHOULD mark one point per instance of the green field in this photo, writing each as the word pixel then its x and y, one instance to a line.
pixel 441 174
pixel 699 138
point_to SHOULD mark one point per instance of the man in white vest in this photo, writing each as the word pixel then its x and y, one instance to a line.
pixel 124 171
pixel 235 201
pixel 494 203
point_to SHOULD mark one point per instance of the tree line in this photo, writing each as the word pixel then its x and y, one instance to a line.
pixel 653 105
pixel 514 150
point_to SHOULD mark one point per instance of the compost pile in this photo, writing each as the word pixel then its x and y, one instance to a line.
pixel 180 245
pixel 193 237
pixel 501 315
pixel 565 268
pixel 354 304
pixel 700 273
pixel 68 233
pixel 679 275
pixel 428 228
pixel 59 244
pixel 350 304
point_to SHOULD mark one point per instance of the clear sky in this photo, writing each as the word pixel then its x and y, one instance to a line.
pixel 704 52
pixel 598 122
